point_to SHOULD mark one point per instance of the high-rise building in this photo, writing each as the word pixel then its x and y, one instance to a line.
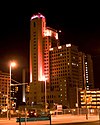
pixel 52 66
pixel 42 38
pixel 86 78
pixel 64 75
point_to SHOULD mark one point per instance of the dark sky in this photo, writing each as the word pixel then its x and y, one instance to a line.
pixel 79 22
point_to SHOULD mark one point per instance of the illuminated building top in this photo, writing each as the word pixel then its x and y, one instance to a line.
pixel 60 47
pixel 37 16
pixel 51 32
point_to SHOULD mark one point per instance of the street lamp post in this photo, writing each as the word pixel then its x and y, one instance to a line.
pixel 45 93
pixel 7 100
pixel 86 103
pixel 45 97
pixel 12 64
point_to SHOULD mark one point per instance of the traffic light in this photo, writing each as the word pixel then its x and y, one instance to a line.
pixel 84 98
pixel 27 88
pixel 16 88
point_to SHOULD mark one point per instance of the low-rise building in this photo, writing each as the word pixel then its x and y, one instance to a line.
pixel 90 98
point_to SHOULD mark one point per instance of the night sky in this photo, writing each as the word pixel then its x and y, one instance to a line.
pixel 78 21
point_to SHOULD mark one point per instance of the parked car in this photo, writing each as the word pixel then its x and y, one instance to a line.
pixel 37 113
pixel 44 114
pixel 31 113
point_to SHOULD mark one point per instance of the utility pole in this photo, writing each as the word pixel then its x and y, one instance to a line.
pixel 7 100
pixel 77 92
pixel 23 94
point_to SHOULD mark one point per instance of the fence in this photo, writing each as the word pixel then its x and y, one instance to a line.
pixel 81 111
pixel 77 111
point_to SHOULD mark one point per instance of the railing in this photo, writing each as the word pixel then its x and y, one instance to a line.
pixel 77 111
pixel 80 111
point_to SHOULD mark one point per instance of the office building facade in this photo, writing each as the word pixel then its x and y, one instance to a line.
pixel 7 95
pixel 4 90
pixel 90 98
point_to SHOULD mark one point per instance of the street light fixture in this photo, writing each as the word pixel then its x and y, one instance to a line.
pixel 12 64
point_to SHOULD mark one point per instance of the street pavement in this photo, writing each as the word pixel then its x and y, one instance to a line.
pixel 55 119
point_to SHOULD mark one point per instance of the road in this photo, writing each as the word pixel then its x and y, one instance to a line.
pixel 80 123
pixel 57 120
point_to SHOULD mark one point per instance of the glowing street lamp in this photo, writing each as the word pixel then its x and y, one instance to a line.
pixel 12 64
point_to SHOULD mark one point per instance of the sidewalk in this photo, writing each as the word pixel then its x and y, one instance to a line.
pixel 57 119
pixel 74 118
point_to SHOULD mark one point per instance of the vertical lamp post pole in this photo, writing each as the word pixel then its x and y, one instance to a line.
pixel 7 100
pixel 12 64
pixel 45 96
pixel 86 103
pixel 10 95
pixel 77 99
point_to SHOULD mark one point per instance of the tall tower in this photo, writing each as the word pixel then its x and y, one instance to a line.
pixel 37 28
pixel 41 40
